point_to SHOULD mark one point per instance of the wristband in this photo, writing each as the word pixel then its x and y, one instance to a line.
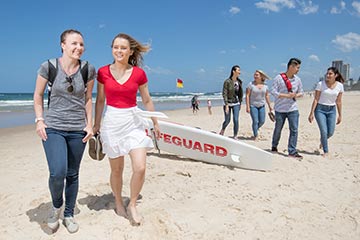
pixel 39 119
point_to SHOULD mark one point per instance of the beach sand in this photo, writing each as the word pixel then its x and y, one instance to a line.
pixel 315 198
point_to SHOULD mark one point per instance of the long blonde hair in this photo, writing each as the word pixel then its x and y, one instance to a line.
pixel 136 59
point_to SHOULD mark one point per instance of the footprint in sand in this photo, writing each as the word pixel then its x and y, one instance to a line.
pixel 116 233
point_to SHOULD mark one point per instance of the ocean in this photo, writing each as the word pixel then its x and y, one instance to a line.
pixel 16 109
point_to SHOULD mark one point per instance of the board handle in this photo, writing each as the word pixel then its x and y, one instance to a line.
pixel 235 158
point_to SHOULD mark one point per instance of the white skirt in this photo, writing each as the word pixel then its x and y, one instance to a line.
pixel 123 129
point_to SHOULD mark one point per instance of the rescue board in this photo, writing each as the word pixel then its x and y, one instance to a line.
pixel 209 147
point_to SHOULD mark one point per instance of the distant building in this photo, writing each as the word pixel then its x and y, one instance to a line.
pixel 351 82
pixel 338 64
pixel 356 86
pixel 344 69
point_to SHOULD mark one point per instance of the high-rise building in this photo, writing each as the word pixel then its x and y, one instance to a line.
pixel 338 64
pixel 345 71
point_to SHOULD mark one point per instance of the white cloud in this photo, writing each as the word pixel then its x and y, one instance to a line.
pixel 356 6
pixel 158 70
pixel 234 10
pixel 102 26
pixel 275 5
pixel 222 52
pixel 201 70
pixel 335 10
pixel 314 58
pixel 347 42
pixel 342 5
pixel 307 8
pixel 253 46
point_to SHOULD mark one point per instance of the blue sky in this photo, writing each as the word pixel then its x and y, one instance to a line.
pixel 197 41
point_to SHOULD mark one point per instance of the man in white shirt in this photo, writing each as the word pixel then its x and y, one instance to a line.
pixel 286 88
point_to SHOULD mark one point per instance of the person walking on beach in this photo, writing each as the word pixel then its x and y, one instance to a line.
pixel 67 125
pixel 232 94
pixel 257 94
pixel 328 94
pixel 286 88
pixel 209 106
pixel 195 104
pixel 123 131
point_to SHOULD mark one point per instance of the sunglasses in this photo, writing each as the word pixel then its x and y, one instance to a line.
pixel 70 88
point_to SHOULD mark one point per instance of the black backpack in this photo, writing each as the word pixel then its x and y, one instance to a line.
pixel 53 68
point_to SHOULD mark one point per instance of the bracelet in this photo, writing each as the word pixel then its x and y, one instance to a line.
pixel 39 119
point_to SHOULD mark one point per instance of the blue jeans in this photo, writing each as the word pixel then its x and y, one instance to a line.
pixel 64 151
pixel 235 109
pixel 258 118
pixel 293 120
pixel 325 117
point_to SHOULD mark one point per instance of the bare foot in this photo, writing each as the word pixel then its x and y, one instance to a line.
pixel 120 210
pixel 134 217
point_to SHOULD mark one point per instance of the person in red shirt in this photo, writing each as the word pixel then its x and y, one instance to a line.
pixel 122 131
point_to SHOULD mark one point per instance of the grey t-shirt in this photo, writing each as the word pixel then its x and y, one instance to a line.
pixel 257 96
pixel 67 110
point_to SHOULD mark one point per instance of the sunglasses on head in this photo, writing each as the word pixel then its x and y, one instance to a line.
pixel 70 88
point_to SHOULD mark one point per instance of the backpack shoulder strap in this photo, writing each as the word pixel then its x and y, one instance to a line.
pixel 84 70
pixel 287 82
pixel 52 72
pixel 53 67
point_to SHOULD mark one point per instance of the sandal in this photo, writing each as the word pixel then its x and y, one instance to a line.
pixel 95 148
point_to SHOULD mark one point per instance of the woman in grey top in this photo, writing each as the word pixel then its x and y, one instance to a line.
pixel 66 126
pixel 257 94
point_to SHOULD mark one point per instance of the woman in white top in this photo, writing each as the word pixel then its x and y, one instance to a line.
pixel 257 93
pixel 328 94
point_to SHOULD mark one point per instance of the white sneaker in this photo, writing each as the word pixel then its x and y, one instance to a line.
pixel 53 220
pixel 70 224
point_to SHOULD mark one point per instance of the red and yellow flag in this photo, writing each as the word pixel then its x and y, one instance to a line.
pixel 179 83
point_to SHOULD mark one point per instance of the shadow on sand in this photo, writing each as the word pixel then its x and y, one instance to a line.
pixel 180 158
pixel 41 213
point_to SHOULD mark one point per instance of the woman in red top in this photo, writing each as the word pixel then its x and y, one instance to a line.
pixel 122 131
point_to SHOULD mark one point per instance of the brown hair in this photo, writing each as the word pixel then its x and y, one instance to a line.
pixel 65 33
pixel 138 49
pixel 339 77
